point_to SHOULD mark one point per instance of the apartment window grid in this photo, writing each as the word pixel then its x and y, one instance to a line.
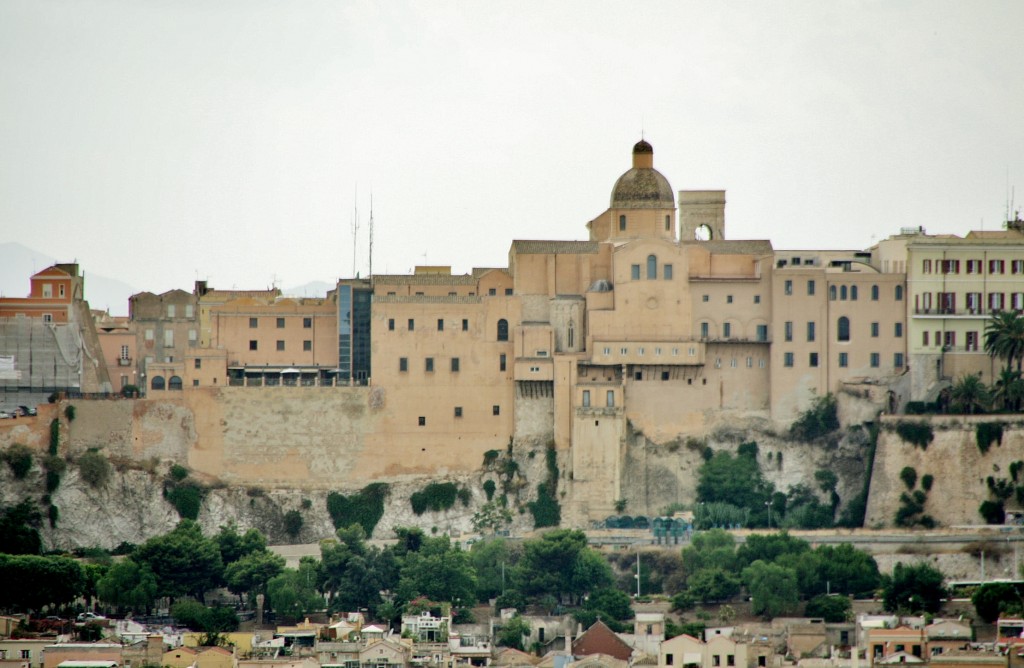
pixel 307 345
pixel 787 287
pixel 429 365
pixel 810 287
pixel 874 329
pixel 897 360
pixel 455 365
pixel 787 359
pixel 307 323
pixel 440 324
pixel 280 345
pixel 788 331
pixel 898 330
pixel 280 323
pixel 811 334
pixel 812 359
pixel 391 324
pixel 844 360
pixel 996 266
pixel 254 323
pixel 876 360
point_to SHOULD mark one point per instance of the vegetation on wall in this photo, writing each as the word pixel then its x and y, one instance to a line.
pixel 821 419
pixel 69 412
pixel 364 508
pixel 909 476
pixel 489 488
pixel 54 436
pixel 19 458
pixel 293 523
pixel 55 467
pixel 436 496
pixel 912 502
pixel 919 434
pixel 987 433
pixel 546 510
pixel 94 468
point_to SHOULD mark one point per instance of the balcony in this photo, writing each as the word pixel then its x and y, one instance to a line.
pixel 975 312
pixel 124 361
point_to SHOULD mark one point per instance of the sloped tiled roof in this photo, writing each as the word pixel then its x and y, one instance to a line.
pixel 599 639
pixel 523 247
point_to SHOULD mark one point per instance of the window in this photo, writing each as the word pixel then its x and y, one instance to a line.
pixel 947 302
pixel 455 364
pixel 280 323
pixel 495 409
pixel 716 660
pixel 124 352
pixel 874 293
pixel 280 345
pixel 728 299
pixel 704 330
pixel 949 266
pixel 926 267
pixel 668 223
pixel 570 336
pixel 973 300
pixel 832 292
pixel 149 335
pixel 810 287
pixel 422 421
pixel 732 363
pixel 898 330
pixel 844 360
pixel 972 341
pixel 853 293
pixel 586 398
pixel 813 359
pixel 810 331
pixel 899 293
pixel 996 266
pixel 307 346
pixel 762 333
pixel 666 272
pixel 254 323
pixel 26 654
pixel 429 364
pixel 170 310
pixel 47 317
pixel 168 338
pixel 622 223
pixel 411 324
pixel 727 330
pixel 47 290
pixel 403 363
pixel 897 360
pixel 842 292
pixel 508 292
pixel 843 329
pixel 924 339
pixel 788 287
pixel 193 335
pixel 634 272
pixel 750 362
pixel 652 267
pixel 391 324
pixel 198 362
pixel 158 383
pixel 874 329
pixel 458 411
pixel 669 660
pixel 501 362
pixel 307 323
pixel 995 301
pixel 1017 301
pixel 492 292
pixel 730 659
pixel 787 330
pixel 949 339
pixel 1017 266
pixel 787 359
pixel 503 330
pixel 60 287
pixel 440 324
pixel 973 266
pixel 705 298
pixel 757 299
pixel 875 360
pixel 609 398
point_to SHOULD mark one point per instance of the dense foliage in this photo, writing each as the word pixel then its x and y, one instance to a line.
pixel 364 508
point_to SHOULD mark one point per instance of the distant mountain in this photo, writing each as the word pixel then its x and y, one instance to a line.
pixel 18 263
pixel 311 289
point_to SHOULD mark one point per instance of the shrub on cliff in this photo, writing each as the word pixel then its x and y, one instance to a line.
pixel 94 468
pixel 916 433
pixel 436 496
pixel 364 508
pixel 19 458
pixel 821 419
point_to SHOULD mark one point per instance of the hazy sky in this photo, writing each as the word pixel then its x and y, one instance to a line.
pixel 160 142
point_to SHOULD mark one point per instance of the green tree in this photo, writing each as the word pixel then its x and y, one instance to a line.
pixel 493 560
pixel 713 584
pixel 547 561
pixel 833 609
pixel 94 468
pixel 773 589
pixel 995 598
pixel 610 603
pixel 128 586
pixel 770 547
pixel 293 523
pixel 969 395
pixel 233 546
pixel 737 481
pixel 714 548
pixel 293 593
pixel 1004 337
pixel 353 574
pixel 820 419
pixel 19 458
pixel 438 571
pixel 512 633
pixel 846 570
pixel 251 573
pixel 32 582
pixel 913 589
pixel 19 529
pixel 196 616
pixel 184 562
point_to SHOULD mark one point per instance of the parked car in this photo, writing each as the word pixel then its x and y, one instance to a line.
pixel 4 415
pixel 27 410
pixel 90 617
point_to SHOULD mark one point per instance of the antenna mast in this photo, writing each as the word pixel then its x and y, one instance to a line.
pixel 355 230
pixel 371 238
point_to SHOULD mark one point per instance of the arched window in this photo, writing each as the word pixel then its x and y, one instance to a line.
pixel 899 293
pixel 832 292
pixel 622 223
pixel 853 293
pixel 652 267
pixel 570 336
pixel 874 293
pixel 158 383
pixel 668 223
pixel 842 292
pixel 503 330
pixel 174 383
pixel 843 329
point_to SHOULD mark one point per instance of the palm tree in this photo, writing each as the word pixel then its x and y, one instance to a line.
pixel 1008 390
pixel 969 394
pixel 1004 337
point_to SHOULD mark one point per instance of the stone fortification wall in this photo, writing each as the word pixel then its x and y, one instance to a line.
pixel 959 468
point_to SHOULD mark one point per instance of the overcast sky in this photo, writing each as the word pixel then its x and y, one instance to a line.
pixel 160 142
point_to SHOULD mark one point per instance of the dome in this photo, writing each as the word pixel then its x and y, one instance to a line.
pixel 642 187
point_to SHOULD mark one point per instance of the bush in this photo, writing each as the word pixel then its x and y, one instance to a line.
pixel 130 391
pixel 19 458
pixel 987 433
pixel 490 457
pixel 178 472
pixel 187 499
pixel 69 412
pixel 54 436
pixel 436 496
pixel 909 476
pixel 364 508
pixel 293 523
pixel 926 482
pixel 821 419
pixel 993 512
pixel 306 504
pixel 916 433
pixel 464 496
pixel 489 488
pixel 94 469
pixel 54 514
pixel 55 467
